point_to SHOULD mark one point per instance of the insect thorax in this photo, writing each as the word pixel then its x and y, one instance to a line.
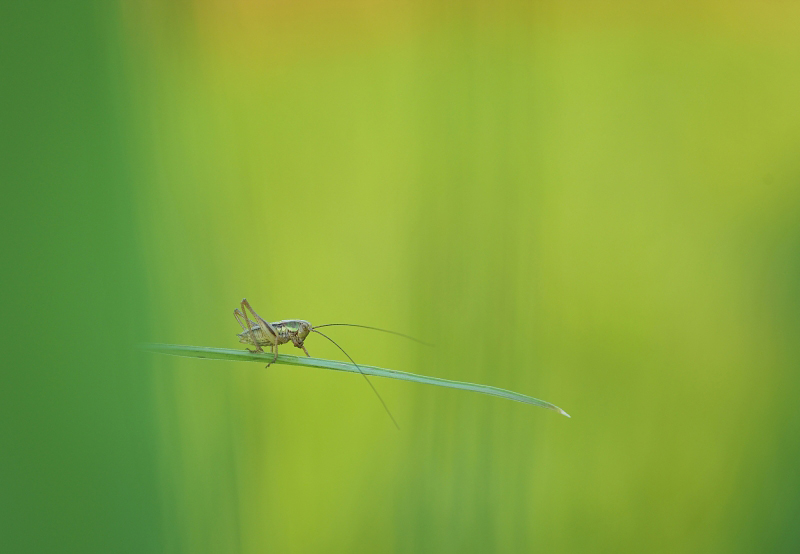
pixel 290 329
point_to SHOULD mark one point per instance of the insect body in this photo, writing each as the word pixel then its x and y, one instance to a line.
pixel 259 332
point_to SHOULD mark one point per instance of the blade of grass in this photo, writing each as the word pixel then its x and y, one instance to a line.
pixel 244 356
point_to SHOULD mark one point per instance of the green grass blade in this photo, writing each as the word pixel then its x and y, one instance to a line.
pixel 244 356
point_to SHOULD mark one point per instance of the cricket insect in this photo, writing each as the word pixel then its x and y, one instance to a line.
pixel 259 332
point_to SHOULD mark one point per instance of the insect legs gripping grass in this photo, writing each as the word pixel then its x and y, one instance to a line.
pixel 259 332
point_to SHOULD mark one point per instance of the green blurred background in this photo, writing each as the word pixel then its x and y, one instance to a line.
pixel 595 204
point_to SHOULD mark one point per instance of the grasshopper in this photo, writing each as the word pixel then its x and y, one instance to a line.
pixel 258 332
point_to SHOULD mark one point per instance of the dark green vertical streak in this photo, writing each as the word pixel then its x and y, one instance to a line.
pixel 78 449
pixel 768 515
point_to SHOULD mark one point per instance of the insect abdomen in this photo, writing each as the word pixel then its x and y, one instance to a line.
pixel 261 338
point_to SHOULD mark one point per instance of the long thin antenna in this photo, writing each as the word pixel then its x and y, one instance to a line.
pixel 374 329
pixel 385 407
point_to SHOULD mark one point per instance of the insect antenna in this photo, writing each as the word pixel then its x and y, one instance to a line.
pixel 374 329
pixel 385 407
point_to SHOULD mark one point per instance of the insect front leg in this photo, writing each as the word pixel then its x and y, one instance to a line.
pixel 299 344
pixel 303 346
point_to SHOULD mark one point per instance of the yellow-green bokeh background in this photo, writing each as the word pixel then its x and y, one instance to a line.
pixel 595 204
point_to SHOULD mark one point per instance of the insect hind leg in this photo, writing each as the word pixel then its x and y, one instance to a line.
pixel 244 323
pixel 265 326
pixel 260 320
